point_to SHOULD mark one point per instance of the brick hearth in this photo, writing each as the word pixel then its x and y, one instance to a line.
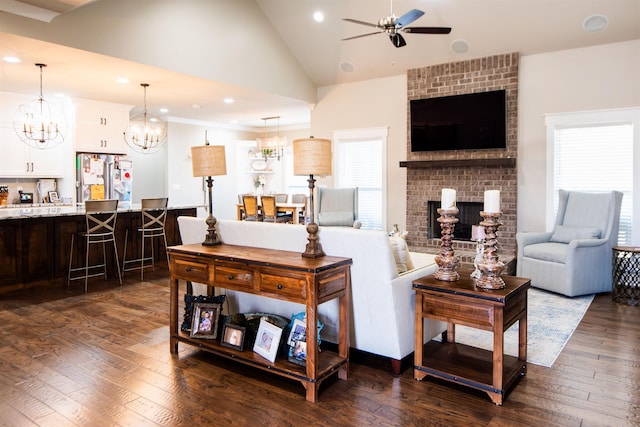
pixel 469 172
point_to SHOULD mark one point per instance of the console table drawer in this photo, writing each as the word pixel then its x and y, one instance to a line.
pixel 292 287
pixel 446 308
pixel 235 278
pixel 191 271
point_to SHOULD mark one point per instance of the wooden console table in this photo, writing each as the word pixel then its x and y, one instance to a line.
pixel 462 303
pixel 275 274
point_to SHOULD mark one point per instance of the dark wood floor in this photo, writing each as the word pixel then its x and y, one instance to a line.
pixel 102 359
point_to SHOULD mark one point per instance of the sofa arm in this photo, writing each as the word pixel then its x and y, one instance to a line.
pixel 531 238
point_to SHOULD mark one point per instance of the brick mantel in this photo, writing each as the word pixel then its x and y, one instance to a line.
pixel 469 172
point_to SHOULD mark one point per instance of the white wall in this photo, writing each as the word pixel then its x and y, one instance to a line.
pixel 594 78
pixel 575 80
pixel 370 104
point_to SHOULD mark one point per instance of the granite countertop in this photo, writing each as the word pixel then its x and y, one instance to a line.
pixel 39 210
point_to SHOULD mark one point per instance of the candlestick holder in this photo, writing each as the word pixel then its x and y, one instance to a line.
pixel 446 260
pixel 479 251
pixel 490 267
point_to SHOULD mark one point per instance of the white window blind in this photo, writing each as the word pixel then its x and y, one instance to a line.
pixel 596 158
pixel 360 163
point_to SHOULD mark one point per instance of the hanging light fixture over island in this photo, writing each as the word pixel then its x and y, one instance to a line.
pixel 146 133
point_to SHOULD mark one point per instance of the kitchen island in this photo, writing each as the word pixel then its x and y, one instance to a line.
pixel 35 241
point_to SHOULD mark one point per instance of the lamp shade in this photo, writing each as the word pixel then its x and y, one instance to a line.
pixel 312 156
pixel 208 160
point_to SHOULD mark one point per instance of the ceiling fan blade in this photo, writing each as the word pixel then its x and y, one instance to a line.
pixel 409 17
pixel 427 30
pixel 397 40
pixel 355 21
pixel 362 35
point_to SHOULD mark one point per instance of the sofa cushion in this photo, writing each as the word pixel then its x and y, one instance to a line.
pixel 553 252
pixel 336 218
pixel 401 253
pixel 565 234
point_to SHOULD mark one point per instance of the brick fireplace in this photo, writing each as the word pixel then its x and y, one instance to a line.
pixel 469 172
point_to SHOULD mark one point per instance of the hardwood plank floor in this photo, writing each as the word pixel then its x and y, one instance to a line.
pixel 102 359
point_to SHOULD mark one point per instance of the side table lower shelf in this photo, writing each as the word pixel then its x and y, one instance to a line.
pixel 327 362
pixel 468 365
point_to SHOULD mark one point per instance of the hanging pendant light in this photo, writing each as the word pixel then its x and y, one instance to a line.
pixel 271 146
pixel 146 133
pixel 40 124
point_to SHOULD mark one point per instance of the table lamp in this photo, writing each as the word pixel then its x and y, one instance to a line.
pixel 207 161
pixel 312 156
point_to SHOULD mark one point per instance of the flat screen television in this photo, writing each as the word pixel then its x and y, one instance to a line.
pixel 474 121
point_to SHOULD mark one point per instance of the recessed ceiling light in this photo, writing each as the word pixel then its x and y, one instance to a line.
pixel 318 16
pixel 459 46
pixel 196 106
pixel 595 23
pixel 164 110
pixel 122 80
pixel 12 59
pixel 347 67
pixel 229 100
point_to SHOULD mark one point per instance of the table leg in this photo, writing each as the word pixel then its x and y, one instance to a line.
pixel 173 316
pixel 522 341
pixel 419 339
pixel 498 356
pixel 344 302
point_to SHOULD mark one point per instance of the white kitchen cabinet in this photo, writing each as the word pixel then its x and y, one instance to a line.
pixel 100 127
pixel 18 160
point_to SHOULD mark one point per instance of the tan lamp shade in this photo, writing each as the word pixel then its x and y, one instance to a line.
pixel 312 156
pixel 208 160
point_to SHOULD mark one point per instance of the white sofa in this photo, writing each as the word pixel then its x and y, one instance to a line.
pixel 383 301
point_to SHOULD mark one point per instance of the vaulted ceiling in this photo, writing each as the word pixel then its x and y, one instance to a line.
pixel 270 55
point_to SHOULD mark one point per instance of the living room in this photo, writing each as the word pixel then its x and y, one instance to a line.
pixel 548 83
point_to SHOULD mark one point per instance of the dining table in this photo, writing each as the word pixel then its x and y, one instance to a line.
pixel 281 207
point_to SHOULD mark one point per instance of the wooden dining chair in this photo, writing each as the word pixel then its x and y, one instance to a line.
pixel 270 213
pixel 250 206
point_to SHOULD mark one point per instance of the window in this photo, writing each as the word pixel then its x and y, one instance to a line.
pixel 360 161
pixel 594 151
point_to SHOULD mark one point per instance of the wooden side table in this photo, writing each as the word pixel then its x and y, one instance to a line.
pixel 462 303
pixel 626 275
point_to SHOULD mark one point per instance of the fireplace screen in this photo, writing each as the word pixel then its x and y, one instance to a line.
pixel 468 215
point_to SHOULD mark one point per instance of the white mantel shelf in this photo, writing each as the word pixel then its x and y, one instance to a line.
pixel 424 164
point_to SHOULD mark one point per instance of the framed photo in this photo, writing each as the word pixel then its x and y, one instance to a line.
pixel 300 350
pixel 267 340
pixel 53 197
pixel 233 336
pixel 298 332
pixel 205 320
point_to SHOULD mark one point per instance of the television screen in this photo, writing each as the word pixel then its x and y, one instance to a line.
pixel 474 121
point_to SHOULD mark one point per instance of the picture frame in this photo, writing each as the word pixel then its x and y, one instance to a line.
pixel 205 320
pixel 53 197
pixel 233 336
pixel 298 332
pixel 267 340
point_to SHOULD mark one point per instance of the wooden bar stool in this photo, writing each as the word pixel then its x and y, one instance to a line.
pixel 153 219
pixel 100 219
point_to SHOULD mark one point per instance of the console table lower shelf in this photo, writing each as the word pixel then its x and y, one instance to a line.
pixel 275 274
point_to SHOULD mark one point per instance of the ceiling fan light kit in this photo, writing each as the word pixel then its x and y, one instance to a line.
pixel 393 26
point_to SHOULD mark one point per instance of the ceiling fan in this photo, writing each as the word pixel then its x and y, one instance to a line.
pixel 393 26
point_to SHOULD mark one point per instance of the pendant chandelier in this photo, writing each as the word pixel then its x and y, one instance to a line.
pixel 271 146
pixel 146 133
pixel 40 124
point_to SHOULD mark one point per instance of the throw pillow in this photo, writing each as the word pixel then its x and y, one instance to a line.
pixel 401 253
pixel 565 234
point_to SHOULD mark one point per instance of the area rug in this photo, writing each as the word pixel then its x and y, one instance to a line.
pixel 552 318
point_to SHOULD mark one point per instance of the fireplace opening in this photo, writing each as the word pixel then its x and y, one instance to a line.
pixel 468 215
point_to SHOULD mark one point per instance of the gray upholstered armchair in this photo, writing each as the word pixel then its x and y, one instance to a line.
pixel 575 258
pixel 338 206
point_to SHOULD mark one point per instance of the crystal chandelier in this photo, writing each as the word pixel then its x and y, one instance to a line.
pixel 146 133
pixel 40 124
pixel 271 146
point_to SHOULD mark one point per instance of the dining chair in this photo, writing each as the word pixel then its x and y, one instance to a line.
pixel 100 221
pixel 270 213
pixel 250 206
pixel 153 217
pixel 299 199
pixel 282 198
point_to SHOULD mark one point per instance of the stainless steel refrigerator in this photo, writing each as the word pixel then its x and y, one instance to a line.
pixel 103 176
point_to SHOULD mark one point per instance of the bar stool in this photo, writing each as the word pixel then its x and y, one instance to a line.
pixel 153 219
pixel 100 219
